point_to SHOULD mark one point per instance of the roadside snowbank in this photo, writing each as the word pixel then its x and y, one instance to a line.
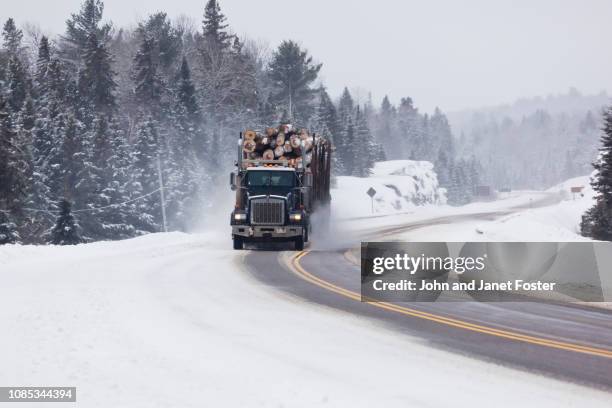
pixel 401 185
pixel 560 222
pixel 553 215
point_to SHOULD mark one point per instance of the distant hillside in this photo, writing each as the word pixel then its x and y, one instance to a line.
pixel 572 102
pixel 535 142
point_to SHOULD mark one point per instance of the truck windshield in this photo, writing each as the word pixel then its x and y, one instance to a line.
pixel 271 179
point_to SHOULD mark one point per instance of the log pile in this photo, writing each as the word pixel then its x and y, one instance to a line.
pixel 283 143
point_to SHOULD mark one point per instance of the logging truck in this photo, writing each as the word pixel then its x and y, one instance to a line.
pixel 282 177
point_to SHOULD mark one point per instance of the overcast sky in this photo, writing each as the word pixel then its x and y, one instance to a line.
pixel 447 53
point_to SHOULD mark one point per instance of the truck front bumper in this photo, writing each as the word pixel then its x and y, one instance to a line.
pixel 263 233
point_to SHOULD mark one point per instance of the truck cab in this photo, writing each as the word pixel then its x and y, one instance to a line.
pixel 271 204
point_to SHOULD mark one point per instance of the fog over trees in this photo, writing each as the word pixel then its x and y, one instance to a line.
pixel 91 119
pixel 535 142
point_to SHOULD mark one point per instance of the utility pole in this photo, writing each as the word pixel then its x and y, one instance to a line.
pixel 161 193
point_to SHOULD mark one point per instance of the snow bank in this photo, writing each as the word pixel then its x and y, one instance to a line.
pixel 560 222
pixel 401 185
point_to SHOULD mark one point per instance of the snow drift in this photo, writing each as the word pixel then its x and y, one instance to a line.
pixel 401 185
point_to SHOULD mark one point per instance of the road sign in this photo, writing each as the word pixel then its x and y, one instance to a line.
pixel 371 192
pixel 577 189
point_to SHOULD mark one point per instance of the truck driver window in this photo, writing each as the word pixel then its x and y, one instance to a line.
pixel 271 179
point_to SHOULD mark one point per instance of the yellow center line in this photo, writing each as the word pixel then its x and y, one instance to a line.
pixel 297 268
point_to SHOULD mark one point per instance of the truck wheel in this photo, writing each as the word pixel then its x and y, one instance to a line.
pixel 238 243
pixel 299 243
pixel 306 234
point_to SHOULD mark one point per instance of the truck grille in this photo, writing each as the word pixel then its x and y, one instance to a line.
pixel 267 212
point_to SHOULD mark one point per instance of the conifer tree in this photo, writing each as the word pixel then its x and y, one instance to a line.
pixel 597 222
pixel 96 80
pixel 149 86
pixel 42 65
pixel 188 150
pixel 166 41
pixel 215 27
pixel 346 106
pixel 66 229
pixel 143 171
pixel 80 28
pixel 17 84
pixel 293 71
pixel 8 229
pixel 13 164
pixel 12 37
pixel 364 148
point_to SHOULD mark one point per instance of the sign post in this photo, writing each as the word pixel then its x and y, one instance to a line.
pixel 576 190
pixel 371 192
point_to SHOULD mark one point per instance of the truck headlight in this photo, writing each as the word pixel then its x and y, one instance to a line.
pixel 296 217
pixel 240 216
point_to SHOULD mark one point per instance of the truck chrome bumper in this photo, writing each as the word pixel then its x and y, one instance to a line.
pixel 263 232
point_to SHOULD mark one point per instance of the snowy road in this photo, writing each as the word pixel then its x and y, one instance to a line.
pixel 171 320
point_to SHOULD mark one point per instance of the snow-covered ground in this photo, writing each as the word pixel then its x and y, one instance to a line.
pixel 559 222
pixel 401 185
pixel 408 191
pixel 173 320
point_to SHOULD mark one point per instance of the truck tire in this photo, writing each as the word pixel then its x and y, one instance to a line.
pixel 299 243
pixel 306 234
pixel 238 243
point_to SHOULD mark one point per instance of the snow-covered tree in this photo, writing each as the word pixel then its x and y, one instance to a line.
pixel 66 229
pixel 293 71
pixel 80 28
pixel 96 80
pixel 597 222
pixel 8 229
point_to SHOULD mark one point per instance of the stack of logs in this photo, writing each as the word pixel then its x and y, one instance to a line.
pixel 282 143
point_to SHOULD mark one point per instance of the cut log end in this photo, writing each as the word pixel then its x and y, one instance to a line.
pixel 249 146
pixel 250 135
pixel 268 154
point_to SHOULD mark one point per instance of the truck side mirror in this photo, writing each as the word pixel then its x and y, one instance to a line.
pixel 233 181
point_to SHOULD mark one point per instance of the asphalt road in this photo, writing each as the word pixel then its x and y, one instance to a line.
pixel 564 341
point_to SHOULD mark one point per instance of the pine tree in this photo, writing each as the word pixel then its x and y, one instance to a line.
pixel 80 28
pixel 13 164
pixel 12 37
pixel 143 171
pixel 166 41
pixel 8 229
pixel 187 151
pixel 96 80
pixel 149 86
pixel 597 222
pixel 364 148
pixel 346 151
pixel 442 167
pixel 293 71
pixel 17 84
pixel 214 26
pixel 66 229
pixel 346 106
pixel 385 131
pixel 42 64
pixel 440 136
pixel 74 172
